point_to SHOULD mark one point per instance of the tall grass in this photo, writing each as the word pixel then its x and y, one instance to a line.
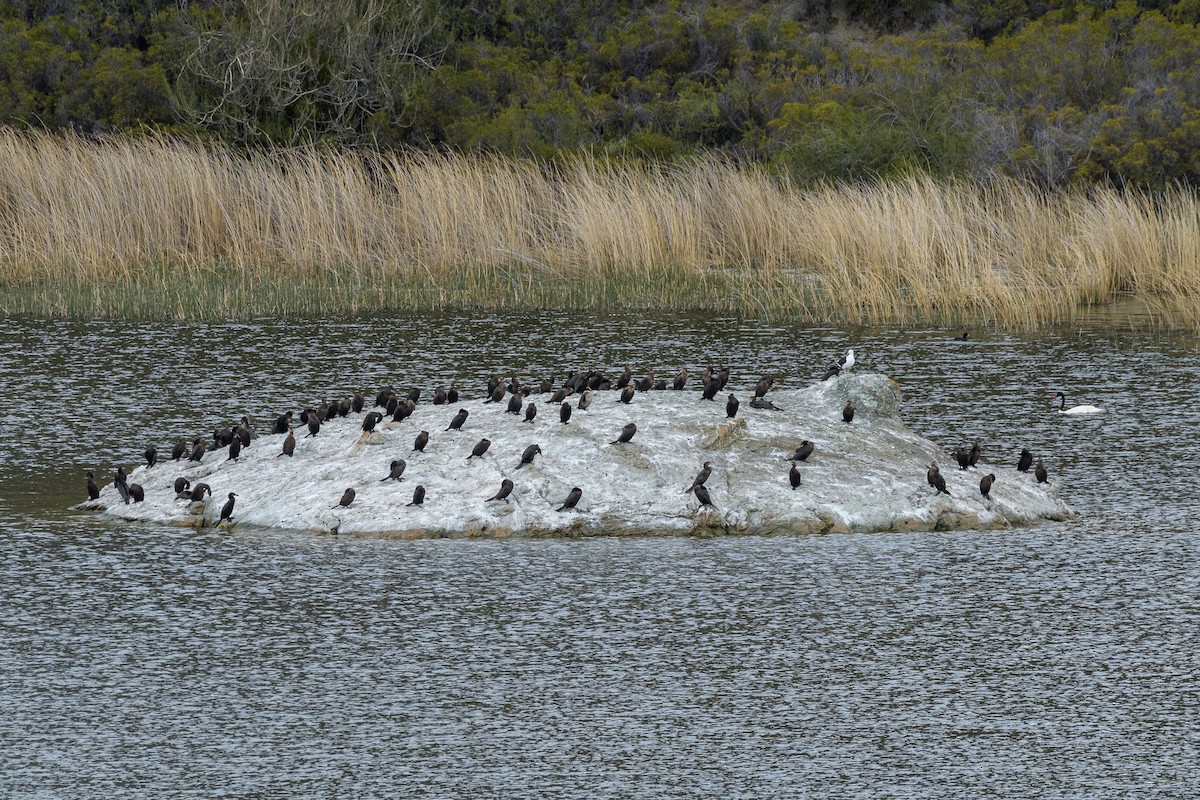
pixel 167 228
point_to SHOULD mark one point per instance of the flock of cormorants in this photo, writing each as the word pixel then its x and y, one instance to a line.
pixel 580 385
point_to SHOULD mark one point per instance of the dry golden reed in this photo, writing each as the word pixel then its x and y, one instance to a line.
pixel 167 228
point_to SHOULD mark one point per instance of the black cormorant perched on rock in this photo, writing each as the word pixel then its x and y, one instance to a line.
pixel 731 407
pixel 418 496
pixel 372 419
pixel 680 378
pixel 459 418
pixel 803 451
pixel 701 477
pixel 92 489
pixel 711 387
pixel 198 448
pixel 289 445
pixel 973 456
pixel 763 403
pixel 151 456
pixel 625 378
pixel 439 396
pixel 704 497
pixel 527 456
pixel 314 425
pixel 120 481
pixel 395 470
pixel 1040 472
pixel 420 442
pixel 347 498
pixel 1025 461
pixel 136 492
pixel 934 477
pixel 848 411
pixel 585 400
pixel 572 498
pixel 564 413
pixel 181 488
pixel 178 451
pixel 626 434
pixel 480 449
pixel 235 449
pixel 963 457
pixel 985 485
pixel 283 423
pixel 627 394
pixel 530 411
pixel 227 509
pixel 514 404
pixel 764 385
pixel 402 410
pixel 452 394
pixel 794 476
pixel 506 487
pixel 200 490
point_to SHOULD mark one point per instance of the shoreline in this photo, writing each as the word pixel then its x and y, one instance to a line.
pixel 168 229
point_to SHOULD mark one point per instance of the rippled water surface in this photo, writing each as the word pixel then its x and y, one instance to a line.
pixel 1053 661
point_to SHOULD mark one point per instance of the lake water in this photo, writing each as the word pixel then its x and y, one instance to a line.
pixel 1060 660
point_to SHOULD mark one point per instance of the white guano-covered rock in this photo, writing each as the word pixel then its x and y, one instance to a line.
pixel 868 475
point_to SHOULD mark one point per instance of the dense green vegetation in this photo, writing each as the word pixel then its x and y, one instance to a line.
pixel 1060 92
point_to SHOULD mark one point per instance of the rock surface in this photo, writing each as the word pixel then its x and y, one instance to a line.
pixel 868 475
